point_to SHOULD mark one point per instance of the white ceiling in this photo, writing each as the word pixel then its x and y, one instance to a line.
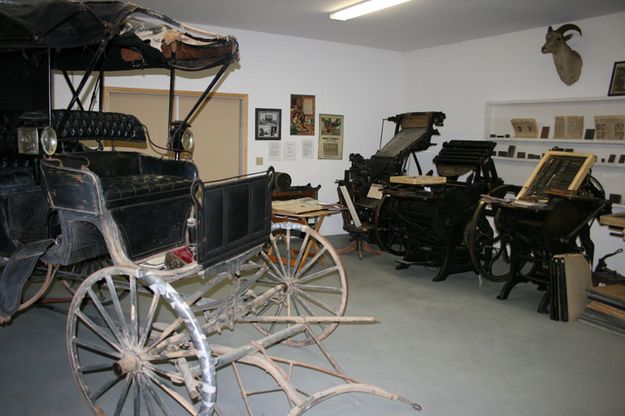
pixel 410 26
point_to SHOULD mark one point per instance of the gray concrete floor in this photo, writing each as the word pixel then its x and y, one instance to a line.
pixel 450 346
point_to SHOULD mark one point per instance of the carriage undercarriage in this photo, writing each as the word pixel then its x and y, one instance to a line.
pixel 146 349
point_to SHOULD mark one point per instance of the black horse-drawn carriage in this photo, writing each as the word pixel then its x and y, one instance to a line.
pixel 186 259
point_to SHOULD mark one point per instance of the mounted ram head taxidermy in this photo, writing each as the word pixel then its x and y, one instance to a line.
pixel 568 62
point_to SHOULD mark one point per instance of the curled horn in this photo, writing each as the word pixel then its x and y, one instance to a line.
pixel 569 26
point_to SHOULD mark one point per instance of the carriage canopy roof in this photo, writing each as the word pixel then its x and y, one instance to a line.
pixel 135 37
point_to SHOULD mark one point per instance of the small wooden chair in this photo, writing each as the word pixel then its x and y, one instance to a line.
pixel 358 231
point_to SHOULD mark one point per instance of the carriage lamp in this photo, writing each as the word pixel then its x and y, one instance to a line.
pixel 35 130
pixel 181 136
pixel 49 141
pixel 187 140
pixel 28 140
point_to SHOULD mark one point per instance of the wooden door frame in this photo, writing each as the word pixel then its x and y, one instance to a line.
pixel 187 93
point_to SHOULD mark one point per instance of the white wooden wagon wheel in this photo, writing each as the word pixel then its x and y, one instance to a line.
pixel 144 353
pixel 313 279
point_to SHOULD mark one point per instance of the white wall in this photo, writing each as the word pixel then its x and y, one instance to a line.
pixel 459 78
pixel 367 85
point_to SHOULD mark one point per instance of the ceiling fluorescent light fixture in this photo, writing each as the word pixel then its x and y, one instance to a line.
pixel 363 8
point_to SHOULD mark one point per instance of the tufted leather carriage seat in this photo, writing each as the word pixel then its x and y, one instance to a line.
pixel 129 177
pixel 122 190
pixel 96 125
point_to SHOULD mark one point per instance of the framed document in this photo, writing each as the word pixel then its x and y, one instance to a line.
pixel 330 136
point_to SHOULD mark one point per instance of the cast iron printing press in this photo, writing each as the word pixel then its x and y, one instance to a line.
pixel 422 218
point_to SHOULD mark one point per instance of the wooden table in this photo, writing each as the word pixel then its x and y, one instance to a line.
pixel 615 222
pixel 314 219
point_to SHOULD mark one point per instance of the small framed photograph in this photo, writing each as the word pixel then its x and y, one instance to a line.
pixel 617 82
pixel 268 122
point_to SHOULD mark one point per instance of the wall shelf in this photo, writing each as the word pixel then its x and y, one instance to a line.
pixel 498 116
pixel 526 160
pixel 499 113
pixel 552 142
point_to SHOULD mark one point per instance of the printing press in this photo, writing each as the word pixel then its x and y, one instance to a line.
pixel 413 133
pixel 423 218
pixel 514 238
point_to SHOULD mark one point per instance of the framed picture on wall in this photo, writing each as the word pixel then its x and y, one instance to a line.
pixel 617 82
pixel 302 115
pixel 330 136
pixel 268 122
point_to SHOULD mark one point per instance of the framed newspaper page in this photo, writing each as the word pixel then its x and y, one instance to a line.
pixel 330 136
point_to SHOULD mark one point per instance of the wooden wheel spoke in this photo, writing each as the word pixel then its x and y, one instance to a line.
pixel 276 273
pixel 166 333
pixel 302 250
pixel 170 375
pixel 95 348
pixel 266 283
pixel 134 310
pixel 317 274
pixel 288 252
pixel 310 313
pixel 146 395
pixel 148 383
pixel 104 388
pixel 319 288
pixel 316 301
pixel 278 311
pixel 123 396
pixel 107 318
pixel 95 368
pixel 265 307
pixel 137 394
pixel 98 330
pixel 188 406
pixel 277 254
pixel 117 306
pixel 310 262
pixel 297 300
pixel 149 320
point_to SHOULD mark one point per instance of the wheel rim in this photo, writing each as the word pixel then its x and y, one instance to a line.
pixel 37 285
pixel 489 251
pixel 388 231
pixel 312 277
pixel 144 353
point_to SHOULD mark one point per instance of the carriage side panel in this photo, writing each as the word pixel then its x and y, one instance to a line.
pixel 235 215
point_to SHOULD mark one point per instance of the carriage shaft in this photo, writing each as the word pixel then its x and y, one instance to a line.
pixel 310 319
pixel 259 344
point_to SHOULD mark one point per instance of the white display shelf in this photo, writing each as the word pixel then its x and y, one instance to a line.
pixel 497 120
pixel 526 160
pixel 499 113
pixel 551 142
